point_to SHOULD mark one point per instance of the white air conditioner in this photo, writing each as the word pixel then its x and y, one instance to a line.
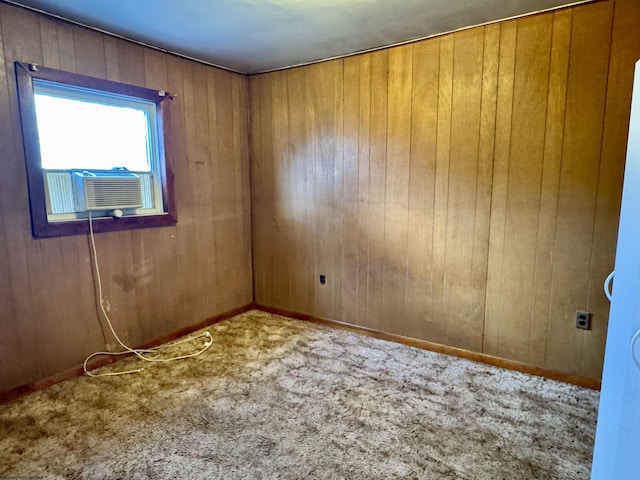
pixel 106 190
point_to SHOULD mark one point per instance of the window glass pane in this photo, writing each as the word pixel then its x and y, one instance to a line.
pixel 80 134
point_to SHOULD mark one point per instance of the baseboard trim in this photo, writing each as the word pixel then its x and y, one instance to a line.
pixel 77 370
pixel 579 380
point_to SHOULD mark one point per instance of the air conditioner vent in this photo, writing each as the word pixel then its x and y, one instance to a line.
pixel 106 190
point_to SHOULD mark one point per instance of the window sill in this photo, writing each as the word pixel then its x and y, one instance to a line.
pixel 103 224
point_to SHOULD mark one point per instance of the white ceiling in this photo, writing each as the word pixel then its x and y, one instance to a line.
pixel 253 36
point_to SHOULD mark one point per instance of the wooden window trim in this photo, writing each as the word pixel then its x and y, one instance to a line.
pixel 41 227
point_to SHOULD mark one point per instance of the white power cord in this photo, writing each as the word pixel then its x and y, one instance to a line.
pixel 140 353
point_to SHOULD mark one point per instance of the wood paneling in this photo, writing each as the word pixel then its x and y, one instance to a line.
pixel 375 224
pixel 156 281
pixel 396 188
pixel 364 163
pixel 581 152
pixel 350 181
pixel 463 189
pixel 512 260
pixel 424 124
pixel 466 203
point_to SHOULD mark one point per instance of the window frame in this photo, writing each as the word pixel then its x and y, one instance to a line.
pixel 40 225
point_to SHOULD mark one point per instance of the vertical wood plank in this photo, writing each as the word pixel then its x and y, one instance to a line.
pixel 296 185
pixel 438 318
pixel 49 38
pixel 310 240
pixel 364 200
pixel 111 58
pixel 255 184
pixel 281 245
pixel 257 98
pixel 227 227
pixel 66 46
pixel 377 186
pixel 463 329
pixel 217 171
pixel 204 169
pixel 89 52
pixel 523 192
pixel 263 202
pixel 424 124
pixel 184 275
pixel 188 194
pixel 350 174
pixel 486 148
pixel 586 90
pixel 504 109
pixel 338 203
pixel 552 157
pixel 321 92
pixel 397 185
pixel 242 191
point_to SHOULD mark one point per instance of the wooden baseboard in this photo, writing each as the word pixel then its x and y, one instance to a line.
pixel 77 370
pixel 592 383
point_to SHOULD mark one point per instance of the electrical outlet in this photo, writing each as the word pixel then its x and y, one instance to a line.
pixel 323 279
pixel 583 320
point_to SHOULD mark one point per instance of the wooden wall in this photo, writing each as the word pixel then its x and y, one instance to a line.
pixel 464 189
pixel 156 281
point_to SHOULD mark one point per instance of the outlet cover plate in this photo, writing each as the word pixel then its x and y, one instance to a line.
pixel 583 320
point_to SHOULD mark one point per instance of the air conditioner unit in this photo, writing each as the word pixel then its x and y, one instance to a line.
pixel 106 190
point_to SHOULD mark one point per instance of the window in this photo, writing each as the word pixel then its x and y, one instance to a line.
pixel 93 145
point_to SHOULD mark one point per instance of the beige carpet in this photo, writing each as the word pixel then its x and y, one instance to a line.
pixel 276 398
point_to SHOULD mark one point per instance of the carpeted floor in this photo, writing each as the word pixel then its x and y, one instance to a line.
pixel 276 398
